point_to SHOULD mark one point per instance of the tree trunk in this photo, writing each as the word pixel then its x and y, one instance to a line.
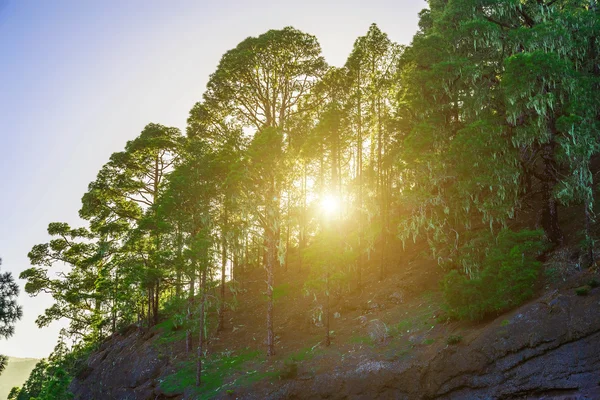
pixel 588 230
pixel 200 349
pixel 156 299
pixel 380 189
pixel 550 208
pixel 150 303
pixel 190 305
pixel 327 329
pixel 302 219
pixel 114 307
pixel 270 282
pixel 359 157
pixel 221 323
pixel 271 237
pixel 179 266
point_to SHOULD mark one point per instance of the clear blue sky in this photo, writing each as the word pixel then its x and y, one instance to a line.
pixel 79 78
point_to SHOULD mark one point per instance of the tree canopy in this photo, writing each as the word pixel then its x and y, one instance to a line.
pixel 489 112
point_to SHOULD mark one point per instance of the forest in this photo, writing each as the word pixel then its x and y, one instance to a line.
pixel 469 142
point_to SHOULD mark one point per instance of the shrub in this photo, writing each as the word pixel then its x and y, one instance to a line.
pixel 593 283
pixel 454 339
pixel 582 291
pixel 505 278
pixel 289 370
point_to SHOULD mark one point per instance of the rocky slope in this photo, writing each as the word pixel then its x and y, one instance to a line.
pixel 548 348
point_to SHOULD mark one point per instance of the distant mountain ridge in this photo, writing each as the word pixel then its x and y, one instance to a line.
pixel 16 373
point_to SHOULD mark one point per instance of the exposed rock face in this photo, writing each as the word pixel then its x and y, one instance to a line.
pixel 125 367
pixel 549 349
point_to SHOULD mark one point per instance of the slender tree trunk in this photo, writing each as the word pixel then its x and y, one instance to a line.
pixel 114 307
pixel 150 303
pixel 550 208
pixel 588 229
pixel 359 174
pixel 221 323
pixel 245 259
pixel 380 190
pixel 201 337
pixel 190 305
pixel 271 233
pixel 156 289
pixel 327 311
pixel 179 263
pixel 301 245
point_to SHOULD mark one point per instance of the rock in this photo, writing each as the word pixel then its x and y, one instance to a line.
pixel 347 306
pixel 373 306
pixel 396 297
pixel 372 366
pixel 377 330
pixel 543 355
pixel 125 367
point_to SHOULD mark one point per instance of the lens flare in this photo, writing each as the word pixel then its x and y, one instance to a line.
pixel 329 205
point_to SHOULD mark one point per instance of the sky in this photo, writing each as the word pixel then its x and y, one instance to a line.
pixel 78 79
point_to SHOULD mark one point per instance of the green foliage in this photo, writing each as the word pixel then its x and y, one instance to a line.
pixel 453 339
pixel 50 378
pixel 363 340
pixel 10 311
pixel 505 278
pixel 281 291
pixel 582 291
pixel 217 369
pixel 491 99
pixel 289 370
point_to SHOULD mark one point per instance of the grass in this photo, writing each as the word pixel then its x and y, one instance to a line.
pixel 172 332
pixel 304 354
pixel 216 369
pixel 366 340
pixel 401 327
pixel 245 365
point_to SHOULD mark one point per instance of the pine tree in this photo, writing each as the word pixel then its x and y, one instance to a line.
pixel 10 311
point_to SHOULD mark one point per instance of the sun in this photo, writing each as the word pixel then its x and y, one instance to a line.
pixel 330 205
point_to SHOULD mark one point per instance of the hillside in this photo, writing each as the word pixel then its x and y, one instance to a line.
pixel 419 222
pixel 16 373
pixel 391 340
